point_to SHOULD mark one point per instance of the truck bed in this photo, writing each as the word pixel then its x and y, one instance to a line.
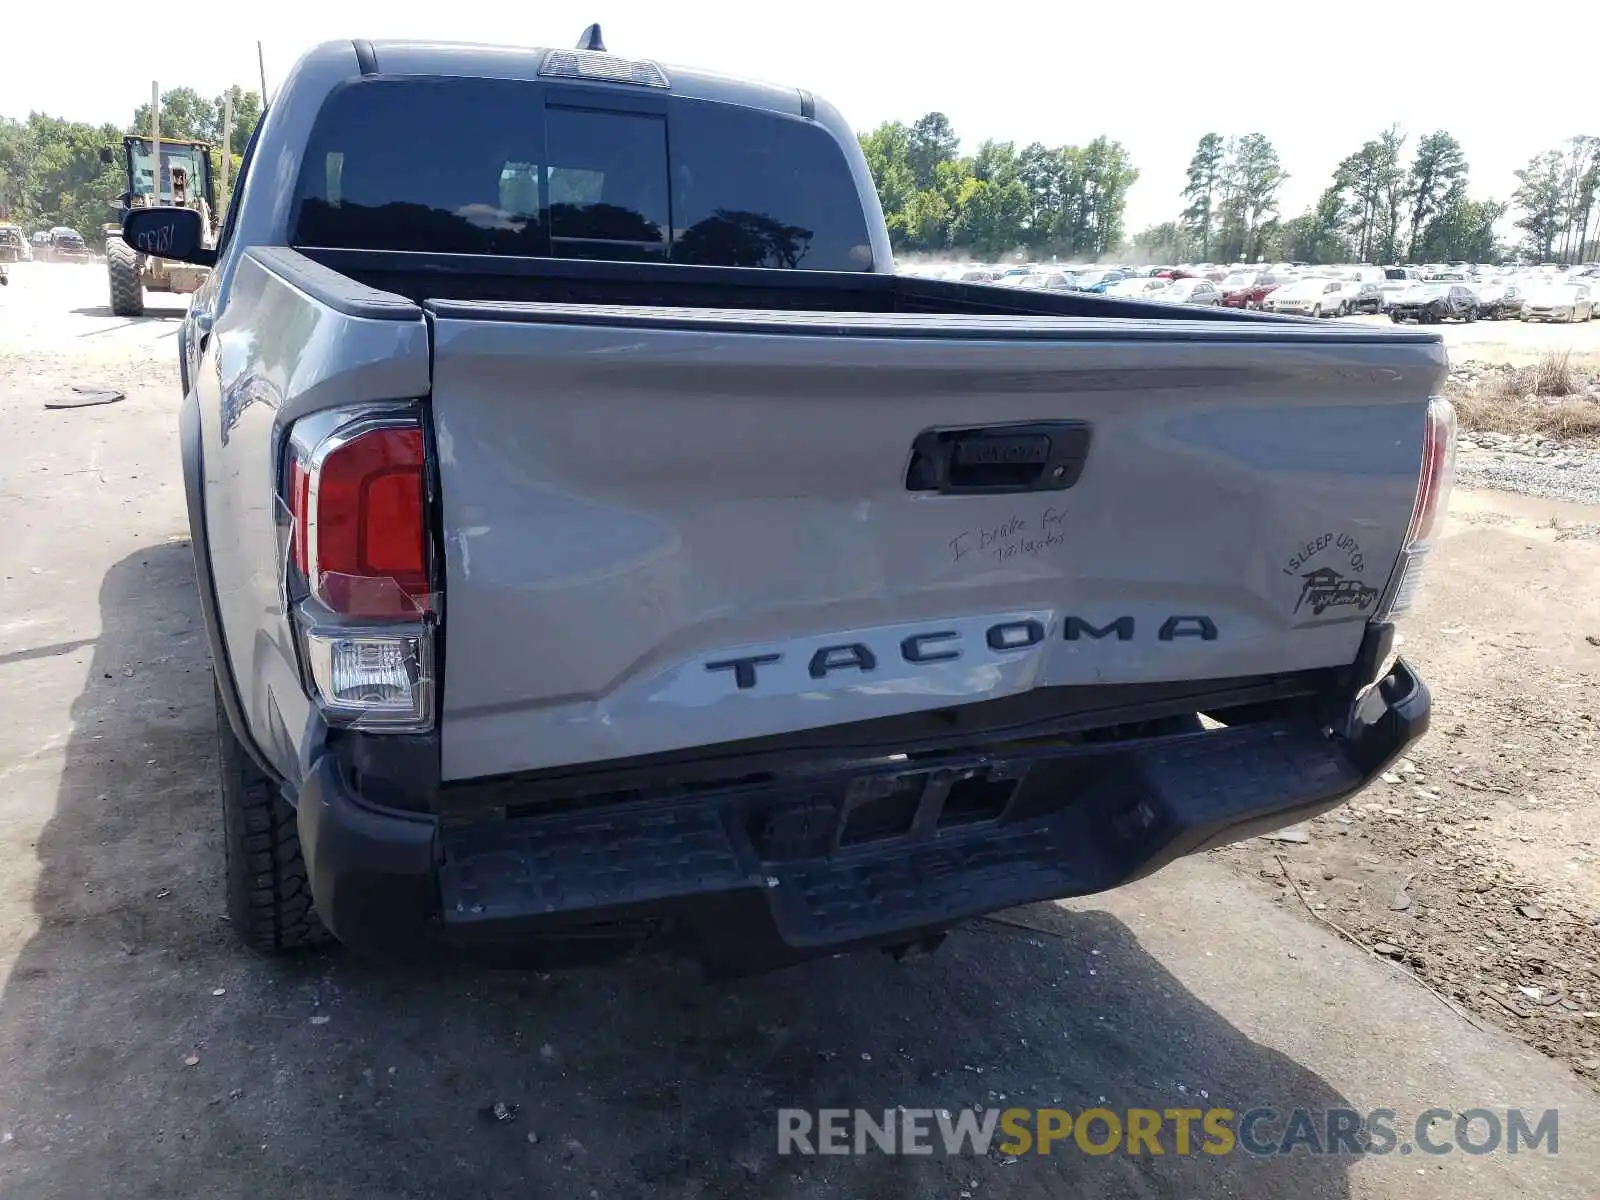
pixel 474 278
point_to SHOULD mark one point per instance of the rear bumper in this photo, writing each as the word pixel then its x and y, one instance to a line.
pixel 764 873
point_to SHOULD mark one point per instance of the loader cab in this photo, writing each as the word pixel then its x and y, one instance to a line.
pixel 184 181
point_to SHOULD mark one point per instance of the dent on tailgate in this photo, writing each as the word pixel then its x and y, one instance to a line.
pixel 669 537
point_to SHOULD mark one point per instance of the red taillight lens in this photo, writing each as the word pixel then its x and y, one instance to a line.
pixel 300 509
pixel 1427 511
pixel 359 513
pixel 1437 474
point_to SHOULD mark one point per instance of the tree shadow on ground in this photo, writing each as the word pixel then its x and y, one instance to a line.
pixel 143 1053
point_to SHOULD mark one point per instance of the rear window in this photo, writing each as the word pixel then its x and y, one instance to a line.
pixel 485 166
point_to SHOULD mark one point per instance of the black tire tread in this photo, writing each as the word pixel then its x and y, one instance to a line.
pixel 122 268
pixel 269 895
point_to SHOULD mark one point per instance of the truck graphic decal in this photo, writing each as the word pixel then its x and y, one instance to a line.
pixel 1325 588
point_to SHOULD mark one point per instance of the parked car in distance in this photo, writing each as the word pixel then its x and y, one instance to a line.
pixel 1115 278
pixel 1429 302
pixel 1049 280
pixel 1145 288
pixel 1360 295
pixel 1191 290
pixel 1558 302
pixel 65 245
pixel 1315 296
pixel 1397 280
pixel 1054 281
pixel 1498 298
pixel 14 246
pixel 1247 289
pixel 1097 277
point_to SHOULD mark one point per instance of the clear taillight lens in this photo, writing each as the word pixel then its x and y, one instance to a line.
pixel 373 678
pixel 360 577
pixel 1428 511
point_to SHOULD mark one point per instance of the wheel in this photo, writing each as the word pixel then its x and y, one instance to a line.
pixel 1316 310
pixel 269 898
pixel 122 269
pixel 1395 317
pixel 1471 314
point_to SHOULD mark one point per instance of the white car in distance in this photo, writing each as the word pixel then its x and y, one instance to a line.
pixel 1315 296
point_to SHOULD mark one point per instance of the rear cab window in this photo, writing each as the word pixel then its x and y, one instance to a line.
pixel 509 167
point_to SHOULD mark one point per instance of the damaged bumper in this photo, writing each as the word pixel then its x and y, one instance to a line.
pixel 768 871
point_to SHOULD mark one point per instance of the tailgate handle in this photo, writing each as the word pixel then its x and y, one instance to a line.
pixel 1042 456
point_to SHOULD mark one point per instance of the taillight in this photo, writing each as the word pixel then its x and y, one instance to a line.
pixel 360 568
pixel 1434 481
pixel 358 503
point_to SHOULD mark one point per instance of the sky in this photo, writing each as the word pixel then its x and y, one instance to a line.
pixel 1318 80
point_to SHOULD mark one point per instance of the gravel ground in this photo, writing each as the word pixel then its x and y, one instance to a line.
pixel 1546 469
pixel 1537 462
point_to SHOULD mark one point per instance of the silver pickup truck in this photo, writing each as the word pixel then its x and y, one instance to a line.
pixel 600 545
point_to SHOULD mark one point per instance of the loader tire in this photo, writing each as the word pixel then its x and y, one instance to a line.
pixel 122 269
pixel 269 896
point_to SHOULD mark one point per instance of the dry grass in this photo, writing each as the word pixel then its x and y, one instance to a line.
pixel 1544 399
pixel 1552 375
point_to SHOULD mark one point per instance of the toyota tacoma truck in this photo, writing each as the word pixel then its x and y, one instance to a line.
pixel 601 547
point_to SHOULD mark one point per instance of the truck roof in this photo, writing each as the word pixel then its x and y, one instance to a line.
pixel 482 61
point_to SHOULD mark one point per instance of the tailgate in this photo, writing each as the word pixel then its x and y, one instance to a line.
pixel 671 528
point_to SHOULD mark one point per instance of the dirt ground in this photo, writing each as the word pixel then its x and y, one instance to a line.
pixel 144 1054
pixel 1474 863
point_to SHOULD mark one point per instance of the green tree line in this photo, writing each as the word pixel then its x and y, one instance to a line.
pixel 1385 203
pixel 1061 200
pixel 51 171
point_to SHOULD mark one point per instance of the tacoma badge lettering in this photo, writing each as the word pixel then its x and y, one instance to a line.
pixel 939 645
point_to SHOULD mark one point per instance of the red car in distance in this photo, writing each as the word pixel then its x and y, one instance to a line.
pixel 1246 289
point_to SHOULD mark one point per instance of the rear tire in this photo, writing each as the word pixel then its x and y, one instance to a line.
pixel 122 269
pixel 269 896
pixel 1470 315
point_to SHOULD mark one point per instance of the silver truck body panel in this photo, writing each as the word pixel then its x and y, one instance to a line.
pixel 626 503
pixel 279 354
